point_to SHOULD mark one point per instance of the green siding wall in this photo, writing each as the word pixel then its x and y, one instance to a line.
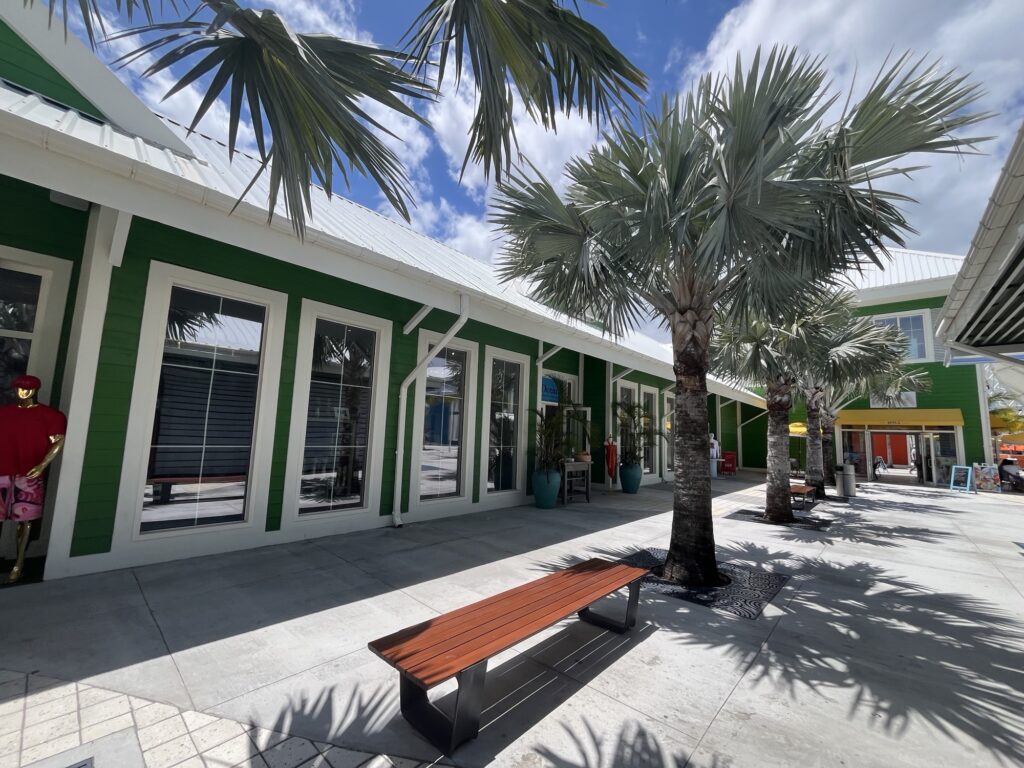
pixel 23 66
pixel 150 241
pixel 952 387
pixel 566 361
pixel 755 437
pixel 32 223
pixel 727 435
pixel 933 302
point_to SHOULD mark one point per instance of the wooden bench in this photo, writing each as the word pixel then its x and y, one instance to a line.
pixel 458 644
pixel 806 493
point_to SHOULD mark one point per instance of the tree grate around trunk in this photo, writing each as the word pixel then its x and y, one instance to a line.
pixel 806 522
pixel 747 593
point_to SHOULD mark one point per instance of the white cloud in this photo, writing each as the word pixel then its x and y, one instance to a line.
pixel 452 117
pixel 980 38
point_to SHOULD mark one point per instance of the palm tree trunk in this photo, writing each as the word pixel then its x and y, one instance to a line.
pixel 778 506
pixel 691 554
pixel 815 458
pixel 828 453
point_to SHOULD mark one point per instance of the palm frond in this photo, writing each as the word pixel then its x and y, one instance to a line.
pixel 92 16
pixel 544 53
pixel 305 91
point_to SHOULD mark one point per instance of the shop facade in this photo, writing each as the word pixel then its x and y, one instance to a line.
pixel 228 386
pixel 928 432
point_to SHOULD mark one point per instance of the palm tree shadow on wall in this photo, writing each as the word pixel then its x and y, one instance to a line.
pixel 905 657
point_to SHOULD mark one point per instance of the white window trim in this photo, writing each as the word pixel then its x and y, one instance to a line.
pixel 517 496
pixel 444 506
pixel 929 336
pixel 326 522
pixel 667 471
pixel 53 295
pixel 129 546
pixel 42 361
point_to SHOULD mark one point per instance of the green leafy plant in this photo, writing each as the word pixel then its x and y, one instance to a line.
pixel 551 442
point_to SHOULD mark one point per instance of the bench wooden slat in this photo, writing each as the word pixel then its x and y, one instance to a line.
pixel 434 637
pixel 441 668
pixel 435 650
pixel 511 616
pixel 411 639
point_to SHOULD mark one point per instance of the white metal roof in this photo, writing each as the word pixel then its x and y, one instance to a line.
pixel 905 266
pixel 207 178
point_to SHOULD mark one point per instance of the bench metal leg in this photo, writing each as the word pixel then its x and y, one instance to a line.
pixel 446 733
pixel 616 626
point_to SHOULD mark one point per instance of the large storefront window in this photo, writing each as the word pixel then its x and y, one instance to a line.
pixel 338 418
pixel 670 448
pixel 650 420
pixel 627 396
pixel 199 458
pixel 19 299
pixel 505 416
pixel 443 425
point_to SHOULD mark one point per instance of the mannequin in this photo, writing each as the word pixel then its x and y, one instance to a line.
pixel 31 436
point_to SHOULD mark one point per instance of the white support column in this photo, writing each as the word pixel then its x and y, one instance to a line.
pixel 986 419
pixel 105 239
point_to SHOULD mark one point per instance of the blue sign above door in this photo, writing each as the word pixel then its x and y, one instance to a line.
pixel 549 389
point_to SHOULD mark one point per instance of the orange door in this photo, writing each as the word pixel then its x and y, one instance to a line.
pixel 898 443
pixel 878 447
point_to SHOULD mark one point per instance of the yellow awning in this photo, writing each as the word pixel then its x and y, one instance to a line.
pixel 903 417
pixel 798 429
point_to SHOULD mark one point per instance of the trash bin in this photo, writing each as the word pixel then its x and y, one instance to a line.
pixel 849 480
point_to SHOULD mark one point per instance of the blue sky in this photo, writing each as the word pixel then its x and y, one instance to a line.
pixel 673 41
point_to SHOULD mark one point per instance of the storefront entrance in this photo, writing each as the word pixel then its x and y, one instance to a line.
pixel 903 455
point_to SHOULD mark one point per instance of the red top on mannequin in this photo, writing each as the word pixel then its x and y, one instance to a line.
pixel 25 432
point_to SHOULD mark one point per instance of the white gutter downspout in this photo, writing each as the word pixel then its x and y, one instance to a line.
pixel 403 393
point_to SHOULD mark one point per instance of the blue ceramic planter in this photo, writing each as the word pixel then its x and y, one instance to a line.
pixel 631 475
pixel 545 488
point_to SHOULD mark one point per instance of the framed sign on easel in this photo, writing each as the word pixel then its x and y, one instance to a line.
pixel 961 478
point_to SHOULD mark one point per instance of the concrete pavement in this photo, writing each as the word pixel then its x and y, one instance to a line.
pixel 898 640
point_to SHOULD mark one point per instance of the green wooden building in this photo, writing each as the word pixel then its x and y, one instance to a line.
pixel 228 386
pixel 945 426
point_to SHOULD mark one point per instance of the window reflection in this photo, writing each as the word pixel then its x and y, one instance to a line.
pixel 337 418
pixel 503 448
pixel 201 445
pixel 19 300
pixel 444 398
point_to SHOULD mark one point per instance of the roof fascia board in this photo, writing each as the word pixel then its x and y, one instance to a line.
pixel 918 289
pixel 87 74
pixel 54 160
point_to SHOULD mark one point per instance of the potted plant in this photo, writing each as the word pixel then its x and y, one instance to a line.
pixel 547 477
pixel 638 430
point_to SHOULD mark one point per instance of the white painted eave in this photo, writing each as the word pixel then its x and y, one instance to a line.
pixel 890 294
pixel 86 73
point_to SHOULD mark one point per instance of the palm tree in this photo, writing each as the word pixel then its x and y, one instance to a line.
pixel 770 354
pixel 845 348
pixel 305 94
pixel 737 196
